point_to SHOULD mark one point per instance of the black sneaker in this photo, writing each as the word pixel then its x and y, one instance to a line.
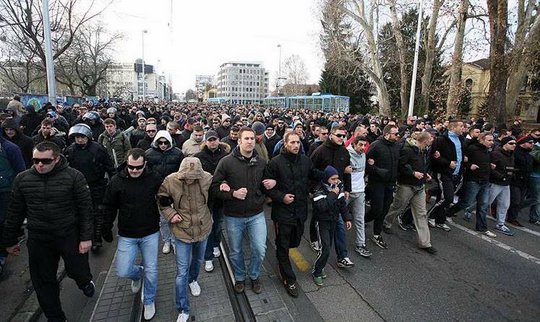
pixel 378 240
pixel 292 289
pixel 89 289
pixel 239 287
pixel 429 250
pixel 345 263
pixel 401 224
pixel 256 286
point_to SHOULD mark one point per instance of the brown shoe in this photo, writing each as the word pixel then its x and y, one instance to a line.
pixel 256 286
pixel 239 287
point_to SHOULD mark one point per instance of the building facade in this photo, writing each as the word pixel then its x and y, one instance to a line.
pixel 242 82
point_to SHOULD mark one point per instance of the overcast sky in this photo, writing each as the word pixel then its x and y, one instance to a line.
pixel 207 33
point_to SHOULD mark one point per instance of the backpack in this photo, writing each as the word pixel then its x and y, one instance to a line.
pixel 7 174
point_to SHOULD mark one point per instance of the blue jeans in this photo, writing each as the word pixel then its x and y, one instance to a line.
pixel 255 228
pixel 479 192
pixel 215 235
pixel 189 258
pixel 165 230
pixel 125 262
pixel 534 186
pixel 340 240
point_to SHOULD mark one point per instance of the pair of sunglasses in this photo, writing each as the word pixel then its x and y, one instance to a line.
pixel 43 161
pixel 135 167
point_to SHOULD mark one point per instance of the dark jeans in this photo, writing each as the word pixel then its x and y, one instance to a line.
pixel 97 193
pixel 43 258
pixel 517 198
pixel 287 236
pixel 325 231
pixel 479 192
pixel 449 185
pixel 381 196
pixel 5 197
pixel 215 235
pixel 339 237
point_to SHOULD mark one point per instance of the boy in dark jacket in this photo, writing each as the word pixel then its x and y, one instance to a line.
pixel 328 204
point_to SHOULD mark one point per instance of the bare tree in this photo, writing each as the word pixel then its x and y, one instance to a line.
pixel 23 21
pixel 363 18
pixel 85 63
pixel 454 91
pixel 523 52
pixel 498 72
pixel 296 74
pixel 20 69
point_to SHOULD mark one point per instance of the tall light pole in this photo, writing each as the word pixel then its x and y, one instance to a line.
pixel 143 64
pixel 279 70
pixel 51 84
pixel 415 65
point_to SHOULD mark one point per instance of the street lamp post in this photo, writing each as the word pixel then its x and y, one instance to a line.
pixel 415 64
pixel 143 64
pixel 279 70
pixel 51 84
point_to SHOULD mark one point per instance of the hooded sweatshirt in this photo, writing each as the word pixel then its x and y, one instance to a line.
pixel 358 163
pixel 163 162
pixel 185 192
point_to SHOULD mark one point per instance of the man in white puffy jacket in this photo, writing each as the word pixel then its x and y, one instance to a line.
pixel 357 198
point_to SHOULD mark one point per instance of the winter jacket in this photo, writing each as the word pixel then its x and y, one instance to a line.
pixel 535 154
pixel 447 151
pixel 11 163
pixel 335 155
pixel 92 160
pixel 22 141
pixel 189 200
pixel 135 136
pixel 56 137
pixel 55 204
pixel 271 142
pixel 386 157
pixel 191 147
pixel 118 143
pixel 232 143
pixel 30 121
pixel 223 131
pixel 134 199
pixel 523 162
pixel 504 165
pixel 240 172
pixel 292 173
pixel 210 159
pixel 478 154
pixel 328 206
pixel 145 143
pixel 163 162
pixel 412 159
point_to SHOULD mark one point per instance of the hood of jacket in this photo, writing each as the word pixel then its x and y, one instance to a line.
pixel 222 145
pixel 190 168
pixel 162 134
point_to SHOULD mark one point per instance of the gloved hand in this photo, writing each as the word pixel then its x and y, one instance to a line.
pixel 107 235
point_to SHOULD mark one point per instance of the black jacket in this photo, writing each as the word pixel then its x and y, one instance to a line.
pixel 92 160
pixel 523 162
pixel 270 143
pixel 412 159
pixel 25 144
pixel 145 143
pixel 56 204
pixel 386 157
pixel 327 206
pixel 164 162
pixel 478 154
pixel 504 165
pixel 135 200
pixel 210 159
pixel 292 173
pixel 335 155
pixel 447 150
pixel 239 172
pixel 233 144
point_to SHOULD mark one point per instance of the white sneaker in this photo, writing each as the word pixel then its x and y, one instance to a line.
pixel 208 266
pixel 195 288
pixel 136 285
pixel 489 234
pixel 183 317
pixel 149 311
pixel 217 252
pixel 166 248
pixel 315 246
pixel 431 223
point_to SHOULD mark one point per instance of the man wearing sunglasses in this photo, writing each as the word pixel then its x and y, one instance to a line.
pixel 132 194
pixel 151 131
pixel 56 201
pixel 333 152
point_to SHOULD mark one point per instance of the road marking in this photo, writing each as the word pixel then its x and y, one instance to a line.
pixel 497 243
pixel 299 260
pixel 525 229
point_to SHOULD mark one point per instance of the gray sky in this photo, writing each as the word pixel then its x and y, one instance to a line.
pixel 207 33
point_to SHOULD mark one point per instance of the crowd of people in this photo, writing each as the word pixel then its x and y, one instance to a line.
pixel 170 175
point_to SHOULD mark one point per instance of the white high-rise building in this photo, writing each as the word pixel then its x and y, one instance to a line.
pixel 241 82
